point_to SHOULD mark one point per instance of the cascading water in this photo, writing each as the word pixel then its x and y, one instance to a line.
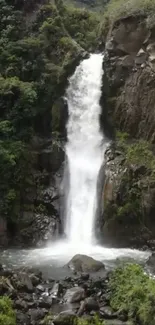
pixel 85 151
pixel 85 148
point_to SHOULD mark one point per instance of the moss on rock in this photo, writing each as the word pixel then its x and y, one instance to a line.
pixel 129 192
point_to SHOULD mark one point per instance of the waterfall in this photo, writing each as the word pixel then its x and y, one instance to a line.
pixel 85 149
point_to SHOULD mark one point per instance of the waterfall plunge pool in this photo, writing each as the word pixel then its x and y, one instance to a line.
pixel 85 150
pixel 51 259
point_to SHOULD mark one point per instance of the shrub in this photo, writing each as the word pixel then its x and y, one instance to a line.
pixel 133 292
pixel 7 314
pixel 117 9
pixel 137 153
pixel 91 321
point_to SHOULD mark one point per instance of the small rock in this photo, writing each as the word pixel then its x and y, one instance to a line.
pixel 65 318
pixel 21 304
pixel 88 305
pixel 91 304
pixel 75 294
pixel 107 313
pixel 40 288
pixel 25 282
pixel 46 302
pixel 151 260
pixel 35 280
pixel 37 314
pixel 56 290
pixel 22 318
pixel 85 276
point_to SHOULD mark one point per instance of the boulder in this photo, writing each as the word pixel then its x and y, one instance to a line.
pixel 40 229
pixel 151 262
pixel 75 294
pixel 84 263
pixel 37 314
pixel 24 282
pixel 107 313
pixel 56 290
pixel 65 318
pixel 88 305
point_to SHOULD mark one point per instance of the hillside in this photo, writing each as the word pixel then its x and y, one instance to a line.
pixel 41 43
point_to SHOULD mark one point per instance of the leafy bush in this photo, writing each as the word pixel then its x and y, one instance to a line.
pixel 7 314
pixel 91 321
pixel 133 292
pixel 34 56
pixel 138 152
pixel 120 8
pixel 82 25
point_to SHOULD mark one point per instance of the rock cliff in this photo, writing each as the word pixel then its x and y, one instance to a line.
pixel 129 81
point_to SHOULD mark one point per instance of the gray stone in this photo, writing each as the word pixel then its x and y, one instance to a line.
pixel 37 314
pixel 85 276
pixel 107 313
pixel 21 304
pixel 65 318
pixel 56 290
pixel 88 305
pixel 35 280
pixel 84 263
pixel 91 304
pixel 40 288
pixel 151 262
pixel 25 281
pixel 75 294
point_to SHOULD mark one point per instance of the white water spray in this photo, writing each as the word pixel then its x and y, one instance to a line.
pixel 85 148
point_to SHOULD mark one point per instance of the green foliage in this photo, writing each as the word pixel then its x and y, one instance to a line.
pixel 138 153
pixel 35 51
pixel 7 314
pixel 15 161
pixel 117 9
pixel 72 319
pixel 47 320
pixel 91 321
pixel 137 177
pixel 133 292
pixel 82 26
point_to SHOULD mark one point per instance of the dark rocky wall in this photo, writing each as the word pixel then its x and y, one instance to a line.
pixel 128 107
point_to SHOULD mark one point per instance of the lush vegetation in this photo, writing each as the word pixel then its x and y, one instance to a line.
pixel 117 9
pixel 92 321
pixel 137 178
pixel 133 293
pixel 7 314
pixel 138 152
pixel 74 320
pixel 37 51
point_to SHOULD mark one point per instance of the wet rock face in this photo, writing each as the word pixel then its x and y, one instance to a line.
pixel 3 232
pixel 130 77
pixel 127 203
pixel 84 263
pixel 43 229
pixel 39 221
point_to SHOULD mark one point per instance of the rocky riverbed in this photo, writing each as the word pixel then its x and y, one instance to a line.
pixel 38 299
